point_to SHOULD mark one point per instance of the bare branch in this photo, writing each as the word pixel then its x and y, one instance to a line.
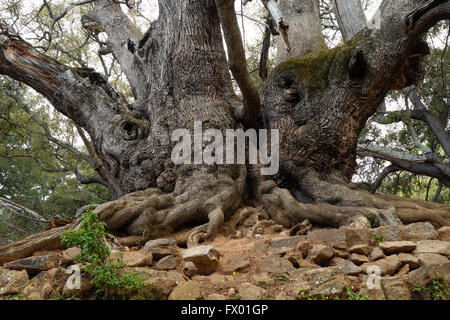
pixel 420 112
pixel 237 61
pixel 418 164
pixel 9 204
pixel 387 171
pixel 350 17
pixel 121 31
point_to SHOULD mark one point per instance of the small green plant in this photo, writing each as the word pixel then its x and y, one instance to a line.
pixel 379 238
pixel 283 277
pixel 63 297
pixel 352 295
pixel 374 221
pixel 435 289
pixel 235 296
pixel 94 258
pixel 305 295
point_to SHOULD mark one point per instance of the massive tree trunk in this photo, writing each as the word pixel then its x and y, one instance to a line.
pixel 321 100
pixel 318 99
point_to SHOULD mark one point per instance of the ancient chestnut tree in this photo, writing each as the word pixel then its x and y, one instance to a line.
pixel 318 98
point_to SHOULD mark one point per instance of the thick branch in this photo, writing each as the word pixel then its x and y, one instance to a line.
pixel 121 31
pixel 264 58
pixel 9 204
pixel 387 171
pixel 237 61
pixel 350 17
pixel 412 163
pixel 107 178
pixel 420 112
pixel 80 94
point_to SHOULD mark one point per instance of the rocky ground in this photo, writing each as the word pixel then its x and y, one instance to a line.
pixel 254 259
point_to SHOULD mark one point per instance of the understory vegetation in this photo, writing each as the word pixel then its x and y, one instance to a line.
pixel 106 273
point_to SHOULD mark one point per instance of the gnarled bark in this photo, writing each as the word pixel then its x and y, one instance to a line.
pixel 318 99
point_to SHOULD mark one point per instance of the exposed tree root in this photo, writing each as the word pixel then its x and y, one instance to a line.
pixel 287 211
pixel 204 197
pixel 47 240
pixel 338 203
pixel 207 199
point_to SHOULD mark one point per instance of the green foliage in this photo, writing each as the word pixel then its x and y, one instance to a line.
pixel 352 295
pixel 90 238
pixel 106 273
pixel 374 221
pixel 435 289
pixel 434 92
pixel 304 294
pixel 49 186
pixel 379 238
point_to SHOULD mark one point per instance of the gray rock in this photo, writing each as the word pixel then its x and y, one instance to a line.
pixel 409 259
pixel 162 242
pixel 190 290
pixel 36 264
pixel 397 288
pixel 286 242
pixel 166 263
pixel 341 254
pixel 158 284
pixel 358 258
pixel 263 279
pixel 237 263
pixel 418 231
pixel 12 281
pixel 275 265
pixel 248 291
pixel 348 267
pixel 376 254
pixel 433 246
pixel 161 252
pixel 205 258
pixel 390 233
pixel 363 249
pixel 328 235
pixel 428 259
pixel 321 254
pixel 319 282
pixel 359 222
pixel 46 285
pixel 444 234
pixel 425 274
pixel 190 269
pixel 390 247
pixel 216 297
pixel 133 258
pixel 404 270
pixel 358 236
pixel 71 253
pixel 387 266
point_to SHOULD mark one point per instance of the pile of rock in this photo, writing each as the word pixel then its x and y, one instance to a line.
pixel 319 262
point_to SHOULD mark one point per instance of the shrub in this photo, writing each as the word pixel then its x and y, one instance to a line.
pixel 94 258
pixel 435 289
